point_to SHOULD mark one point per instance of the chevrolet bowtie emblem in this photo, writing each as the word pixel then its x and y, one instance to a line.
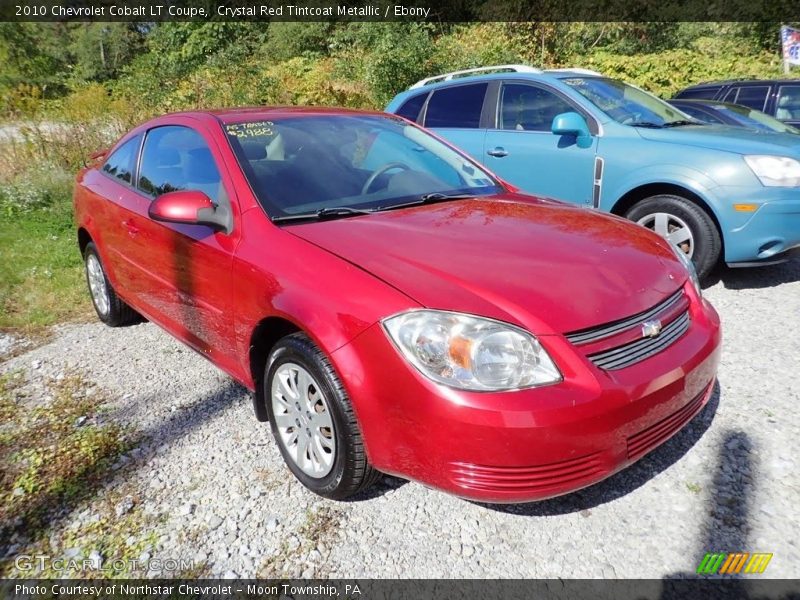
pixel 651 329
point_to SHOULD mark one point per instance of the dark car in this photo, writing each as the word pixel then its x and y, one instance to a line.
pixel 779 98
pixel 714 112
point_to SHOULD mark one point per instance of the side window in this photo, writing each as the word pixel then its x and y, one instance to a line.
pixel 412 106
pixel 178 158
pixel 458 106
pixel 731 95
pixel 529 108
pixel 700 94
pixel 120 163
pixel 788 103
pixel 753 96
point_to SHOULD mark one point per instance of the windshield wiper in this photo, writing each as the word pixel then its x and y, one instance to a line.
pixel 430 198
pixel 646 124
pixel 330 212
pixel 681 123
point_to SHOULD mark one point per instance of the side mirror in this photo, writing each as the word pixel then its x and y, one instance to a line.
pixel 571 123
pixel 189 207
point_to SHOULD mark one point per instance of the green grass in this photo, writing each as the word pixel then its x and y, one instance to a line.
pixel 55 456
pixel 41 276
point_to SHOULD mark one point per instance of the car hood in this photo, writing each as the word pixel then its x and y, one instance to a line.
pixel 540 264
pixel 728 139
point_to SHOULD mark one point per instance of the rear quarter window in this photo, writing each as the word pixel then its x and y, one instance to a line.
pixel 457 107
pixel 119 164
pixel 411 107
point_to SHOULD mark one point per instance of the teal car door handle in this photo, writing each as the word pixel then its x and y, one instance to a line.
pixel 498 152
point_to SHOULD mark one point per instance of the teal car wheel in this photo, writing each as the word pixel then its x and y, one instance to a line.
pixel 684 224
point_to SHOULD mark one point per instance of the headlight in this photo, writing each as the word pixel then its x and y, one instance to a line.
pixel 471 353
pixel 780 171
pixel 687 262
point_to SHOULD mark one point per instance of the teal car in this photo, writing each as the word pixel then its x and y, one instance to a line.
pixel 716 192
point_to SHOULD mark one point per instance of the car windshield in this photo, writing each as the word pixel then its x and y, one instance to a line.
pixel 754 119
pixel 345 164
pixel 628 104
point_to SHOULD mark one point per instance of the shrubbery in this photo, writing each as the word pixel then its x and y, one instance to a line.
pixel 71 90
pixel 131 72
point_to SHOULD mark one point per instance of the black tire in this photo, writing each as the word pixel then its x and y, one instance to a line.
pixel 707 241
pixel 118 312
pixel 351 472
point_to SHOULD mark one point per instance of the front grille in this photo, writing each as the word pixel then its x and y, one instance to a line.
pixel 597 333
pixel 634 352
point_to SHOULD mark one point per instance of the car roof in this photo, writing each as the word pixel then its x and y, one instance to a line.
pixel 545 75
pixel 740 81
pixel 238 114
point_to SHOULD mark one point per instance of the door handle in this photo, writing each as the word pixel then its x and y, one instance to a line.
pixel 498 152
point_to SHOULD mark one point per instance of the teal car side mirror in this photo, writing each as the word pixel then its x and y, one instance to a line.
pixel 571 123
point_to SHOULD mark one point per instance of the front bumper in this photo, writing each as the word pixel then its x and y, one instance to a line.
pixel 530 444
pixel 768 235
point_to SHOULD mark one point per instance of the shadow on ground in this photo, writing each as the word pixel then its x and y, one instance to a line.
pixel 726 529
pixel 746 278
pixel 627 480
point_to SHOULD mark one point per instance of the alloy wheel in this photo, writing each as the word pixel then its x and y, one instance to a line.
pixel 97 284
pixel 674 229
pixel 303 420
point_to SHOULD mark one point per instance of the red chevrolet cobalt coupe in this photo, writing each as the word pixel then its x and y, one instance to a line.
pixel 395 307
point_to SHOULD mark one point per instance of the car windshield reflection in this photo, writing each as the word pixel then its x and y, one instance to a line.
pixel 301 165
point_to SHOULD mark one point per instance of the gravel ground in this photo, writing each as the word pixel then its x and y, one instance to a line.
pixel 211 478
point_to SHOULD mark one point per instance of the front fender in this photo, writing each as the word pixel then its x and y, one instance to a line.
pixel 688 178
pixel 278 274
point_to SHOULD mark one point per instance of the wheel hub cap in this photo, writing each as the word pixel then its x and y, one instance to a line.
pixel 303 420
pixel 674 229
pixel 97 284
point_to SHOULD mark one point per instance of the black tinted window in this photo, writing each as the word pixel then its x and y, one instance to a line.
pixel 700 94
pixel 458 106
pixel 528 108
pixel 412 106
pixel 753 96
pixel 120 163
pixel 178 158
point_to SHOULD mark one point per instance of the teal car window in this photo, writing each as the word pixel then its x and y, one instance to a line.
pixel 529 108
pixel 459 106
pixel 626 104
pixel 411 108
